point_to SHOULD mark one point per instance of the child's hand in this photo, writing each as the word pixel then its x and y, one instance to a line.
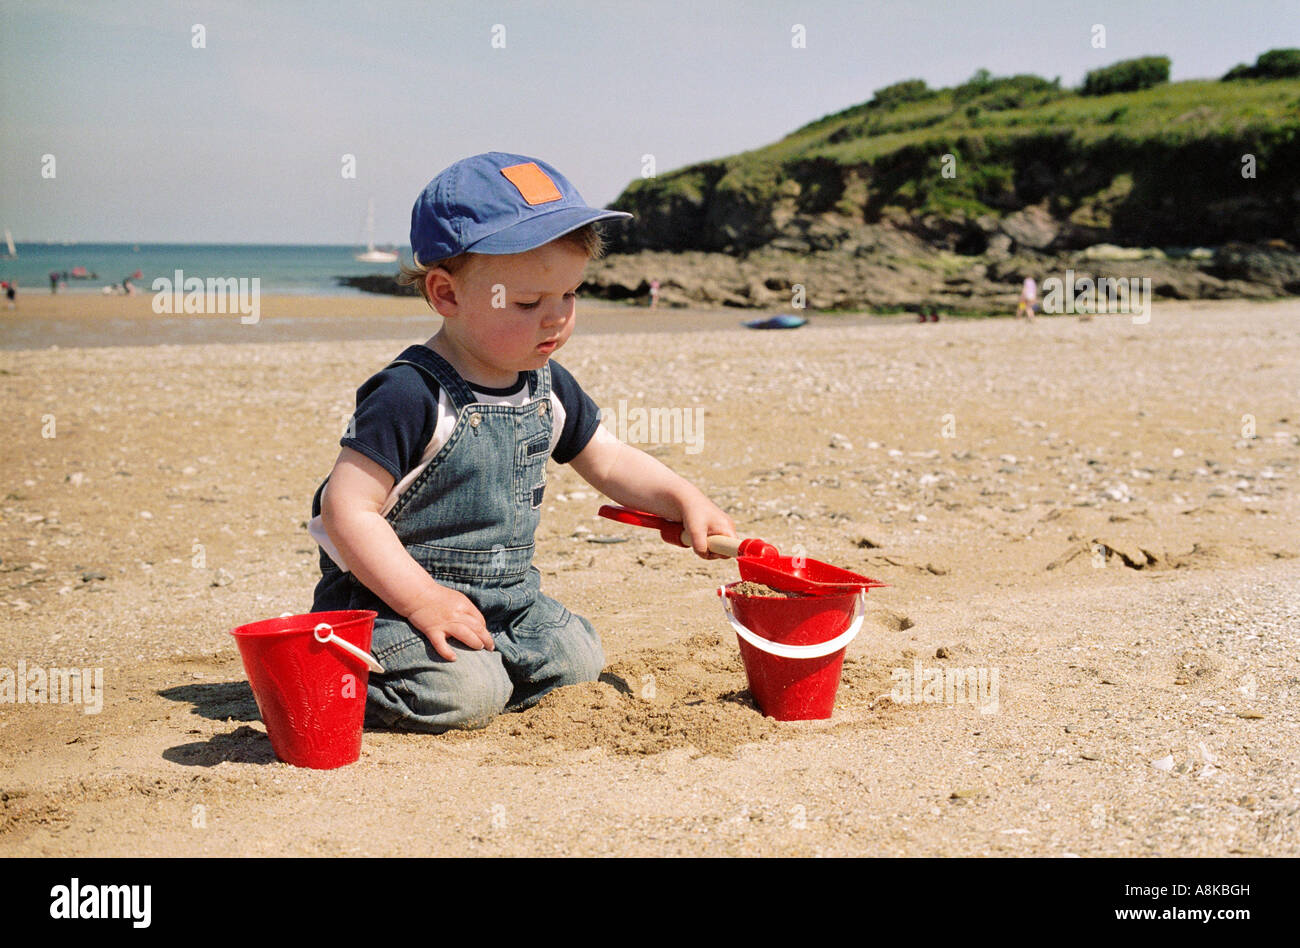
pixel 702 519
pixel 446 613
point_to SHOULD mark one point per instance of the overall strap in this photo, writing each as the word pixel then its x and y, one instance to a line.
pixel 429 362
pixel 539 382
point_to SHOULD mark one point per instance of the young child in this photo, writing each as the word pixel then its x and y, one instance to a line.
pixel 429 513
pixel 1028 297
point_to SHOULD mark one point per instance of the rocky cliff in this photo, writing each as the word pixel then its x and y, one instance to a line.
pixel 950 197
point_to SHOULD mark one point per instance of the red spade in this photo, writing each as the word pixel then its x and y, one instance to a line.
pixel 759 561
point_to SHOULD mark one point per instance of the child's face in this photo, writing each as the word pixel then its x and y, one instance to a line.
pixel 512 311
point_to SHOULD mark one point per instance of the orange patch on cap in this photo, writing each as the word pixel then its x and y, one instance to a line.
pixel 533 183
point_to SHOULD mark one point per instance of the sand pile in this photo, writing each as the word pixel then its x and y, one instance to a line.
pixel 692 695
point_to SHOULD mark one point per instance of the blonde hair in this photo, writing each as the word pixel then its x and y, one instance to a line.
pixel 587 238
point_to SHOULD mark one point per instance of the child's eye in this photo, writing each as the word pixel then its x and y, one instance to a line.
pixel 532 305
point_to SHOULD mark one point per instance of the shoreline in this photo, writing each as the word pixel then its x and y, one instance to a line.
pixel 72 321
pixel 90 321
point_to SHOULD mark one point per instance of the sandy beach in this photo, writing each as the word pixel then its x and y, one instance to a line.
pixel 1102 513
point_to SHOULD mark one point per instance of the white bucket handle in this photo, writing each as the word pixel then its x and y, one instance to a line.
pixel 333 639
pixel 782 650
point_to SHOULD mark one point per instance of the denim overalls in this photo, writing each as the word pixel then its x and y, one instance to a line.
pixel 469 520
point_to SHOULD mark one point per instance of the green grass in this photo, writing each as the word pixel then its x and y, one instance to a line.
pixel 1179 111
pixel 1171 113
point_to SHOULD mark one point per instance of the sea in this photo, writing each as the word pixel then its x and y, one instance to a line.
pixel 281 268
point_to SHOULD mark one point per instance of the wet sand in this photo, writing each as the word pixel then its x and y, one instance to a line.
pixel 84 320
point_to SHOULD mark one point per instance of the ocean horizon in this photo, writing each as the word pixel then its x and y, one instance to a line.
pixel 293 269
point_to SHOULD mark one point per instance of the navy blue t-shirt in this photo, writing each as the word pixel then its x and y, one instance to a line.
pixel 397 412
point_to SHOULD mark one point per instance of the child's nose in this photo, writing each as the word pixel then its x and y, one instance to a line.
pixel 556 314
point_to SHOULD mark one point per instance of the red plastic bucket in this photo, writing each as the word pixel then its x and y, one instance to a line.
pixel 793 648
pixel 310 687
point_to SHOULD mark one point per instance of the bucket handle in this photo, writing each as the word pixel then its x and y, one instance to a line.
pixel 782 650
pixel 332 639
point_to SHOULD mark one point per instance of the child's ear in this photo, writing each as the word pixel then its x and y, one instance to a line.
pixel 442 291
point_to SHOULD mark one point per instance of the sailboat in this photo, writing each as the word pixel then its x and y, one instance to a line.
pixel 372 255
pixel 9 242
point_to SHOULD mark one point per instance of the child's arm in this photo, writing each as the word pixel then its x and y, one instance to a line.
pixel 633 478
pixel 350 513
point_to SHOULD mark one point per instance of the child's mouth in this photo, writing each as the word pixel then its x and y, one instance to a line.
pixel 549 346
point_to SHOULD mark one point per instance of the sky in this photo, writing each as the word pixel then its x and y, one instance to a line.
pixel 242 140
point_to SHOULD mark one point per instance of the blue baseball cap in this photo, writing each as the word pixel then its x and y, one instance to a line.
pixel 497 203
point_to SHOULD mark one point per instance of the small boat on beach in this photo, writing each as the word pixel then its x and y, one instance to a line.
pixel 780 321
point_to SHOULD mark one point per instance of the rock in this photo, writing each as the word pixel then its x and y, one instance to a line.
pixel 1164 763
pixel 999 247
pixel 1032 227
pixel 942 652
pixel 1276 268
pixel 759 295
pixel 888 266
pixel 91 575
pixel 376 283
pixel 1111 252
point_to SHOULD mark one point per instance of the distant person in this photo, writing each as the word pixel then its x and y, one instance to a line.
pixel 11 293
pixel 128 287
pixel 654 293
pixel 54 281
pixel 1028 297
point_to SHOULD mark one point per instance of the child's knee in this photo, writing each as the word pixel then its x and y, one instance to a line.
pixel 584 657
pixel 422 691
